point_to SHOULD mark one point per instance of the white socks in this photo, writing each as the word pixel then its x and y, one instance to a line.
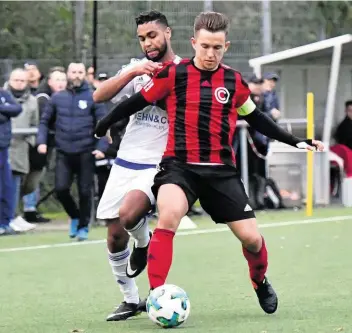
pixel 118 262
pixel 140 233
pixel 128 287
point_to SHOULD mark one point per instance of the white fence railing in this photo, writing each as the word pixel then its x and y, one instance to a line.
pixel 242 126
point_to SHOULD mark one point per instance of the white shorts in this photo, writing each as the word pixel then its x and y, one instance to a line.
pixel 121 181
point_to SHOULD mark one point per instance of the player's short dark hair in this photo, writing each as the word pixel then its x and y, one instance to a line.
pixel 348 103
pixel 211 21
pixel 151 16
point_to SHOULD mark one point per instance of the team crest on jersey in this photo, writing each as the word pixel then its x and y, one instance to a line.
pixel 82 104
pixel 222 95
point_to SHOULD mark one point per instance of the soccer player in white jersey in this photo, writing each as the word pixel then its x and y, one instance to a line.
pixel 128 197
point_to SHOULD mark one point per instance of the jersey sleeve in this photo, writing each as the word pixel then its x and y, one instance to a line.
pixel 160 85
pixel 128 90
pixel 244 103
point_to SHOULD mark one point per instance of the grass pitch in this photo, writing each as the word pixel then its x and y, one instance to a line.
pixel 67 288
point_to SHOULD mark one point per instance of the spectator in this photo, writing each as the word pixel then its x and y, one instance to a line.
pixel 103 76
pixel 34 76
pixel 92 81
pixel 255 86
pixel 267 102
pixel 271 101
pixel 343 134
pixel 55 82
pixel 8 109
pixel 19 148
pixel 90 75
pixel 75 116
pixel 343 137
pixel 259 147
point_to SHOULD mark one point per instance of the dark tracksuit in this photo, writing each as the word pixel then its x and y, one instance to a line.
pixel 8 109
pixel 75 115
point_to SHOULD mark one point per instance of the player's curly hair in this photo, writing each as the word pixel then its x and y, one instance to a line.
pixel 211 21
pixel 151 16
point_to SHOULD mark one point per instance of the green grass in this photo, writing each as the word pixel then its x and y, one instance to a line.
pixel 58 290
pixel 56 215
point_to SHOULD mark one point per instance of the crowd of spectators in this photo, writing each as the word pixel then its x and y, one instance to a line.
pixel 61 101
pixel 264 95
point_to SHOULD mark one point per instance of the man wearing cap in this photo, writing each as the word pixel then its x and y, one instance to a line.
pixel 271 107
pixel 271 101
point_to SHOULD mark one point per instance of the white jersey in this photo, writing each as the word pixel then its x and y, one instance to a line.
pixel 146 134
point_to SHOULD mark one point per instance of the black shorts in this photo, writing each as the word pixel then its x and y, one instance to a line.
pixel 219 188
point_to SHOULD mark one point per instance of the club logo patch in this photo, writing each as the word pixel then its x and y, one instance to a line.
pixel 82 104
pixel 222 95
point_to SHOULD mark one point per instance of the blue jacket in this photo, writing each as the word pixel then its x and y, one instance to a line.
pixel 8 108
pixel 74 115
pixel 271 101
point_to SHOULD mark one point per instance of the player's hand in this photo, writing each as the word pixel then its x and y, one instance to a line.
pixel 42 149
pixel 146 67
pixel 98 154
pixel 312 145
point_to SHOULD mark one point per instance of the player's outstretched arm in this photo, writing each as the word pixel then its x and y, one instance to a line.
pixel 111 87
pixel 265 125
pixel 123 110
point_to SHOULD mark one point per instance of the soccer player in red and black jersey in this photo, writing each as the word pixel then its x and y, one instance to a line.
pixel 203 98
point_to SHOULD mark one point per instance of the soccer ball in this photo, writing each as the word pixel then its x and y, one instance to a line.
pixel 168 306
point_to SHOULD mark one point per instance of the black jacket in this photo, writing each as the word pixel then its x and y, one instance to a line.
pixel 343 134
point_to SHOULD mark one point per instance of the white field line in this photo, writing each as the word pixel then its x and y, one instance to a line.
pixel 184 233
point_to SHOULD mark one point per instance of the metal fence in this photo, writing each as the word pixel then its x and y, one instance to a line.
pixel 256 27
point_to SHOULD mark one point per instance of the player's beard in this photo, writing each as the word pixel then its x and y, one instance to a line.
pixel 162 52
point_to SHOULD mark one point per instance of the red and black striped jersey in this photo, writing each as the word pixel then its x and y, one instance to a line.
pixel 202 110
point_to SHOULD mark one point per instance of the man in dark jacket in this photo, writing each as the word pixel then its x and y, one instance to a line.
pixel 56 81
pixel 343 138
pixel 8 109
pixel 75 115
pixel 343 134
